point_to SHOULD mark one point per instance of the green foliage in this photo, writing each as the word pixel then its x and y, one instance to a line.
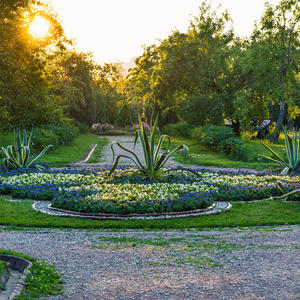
pixel 221 139
pixel 182 129
pixel 112 108
pixel 24 86
pixel 44 137
pixel 63 134
pixel 187 68
pixel 200 110
pixel 124 117
pixel 100 107
pixel 234 148
pixel 18 154
pixel 212 135
pixel 292 145
pixel 154 160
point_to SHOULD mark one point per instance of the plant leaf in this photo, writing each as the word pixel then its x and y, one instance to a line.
pixel 40 154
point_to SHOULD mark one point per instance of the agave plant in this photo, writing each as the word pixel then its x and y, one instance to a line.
pixel 292 145
pixel 155 158
pixel 19 153
pixel 286 195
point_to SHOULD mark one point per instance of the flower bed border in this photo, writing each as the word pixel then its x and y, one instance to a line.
pixel 216 208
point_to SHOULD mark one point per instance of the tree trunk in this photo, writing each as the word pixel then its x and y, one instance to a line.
pixel 282 112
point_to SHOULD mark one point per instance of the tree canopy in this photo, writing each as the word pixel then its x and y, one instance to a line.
pixel 201 76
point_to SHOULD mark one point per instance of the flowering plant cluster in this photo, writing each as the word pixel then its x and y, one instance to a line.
pixel 95 192
pixel 137 126
pixel 98 128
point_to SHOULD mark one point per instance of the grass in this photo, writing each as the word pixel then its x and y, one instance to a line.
pixel 42 280
pixel 97 155
pixel 65 155
pixel 3 267
pixel 202 155
pixel 262 213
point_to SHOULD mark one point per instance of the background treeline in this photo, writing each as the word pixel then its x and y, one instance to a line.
pixel 199 77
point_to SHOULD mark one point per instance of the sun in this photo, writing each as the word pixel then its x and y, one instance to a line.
pixel 39 27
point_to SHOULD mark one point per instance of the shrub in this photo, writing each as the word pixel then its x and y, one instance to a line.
pixel 221 139
pixel 66 133
pixel 180 129
pixel 62 134
pixel 212 135
pixel 153 158
pixel 292 145
pixel 100 128
pixel 234 149
pixel 44 137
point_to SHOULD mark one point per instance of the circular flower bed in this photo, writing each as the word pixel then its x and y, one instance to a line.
pixel 94 192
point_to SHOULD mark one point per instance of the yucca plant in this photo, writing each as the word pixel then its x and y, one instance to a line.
pixel 154 158
pixel 19 153
pixel 292 145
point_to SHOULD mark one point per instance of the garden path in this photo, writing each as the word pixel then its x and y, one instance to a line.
pixel 128 142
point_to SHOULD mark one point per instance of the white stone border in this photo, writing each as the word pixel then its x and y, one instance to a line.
pixel 217 208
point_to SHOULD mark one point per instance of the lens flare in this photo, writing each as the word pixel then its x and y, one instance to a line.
pixel 39 27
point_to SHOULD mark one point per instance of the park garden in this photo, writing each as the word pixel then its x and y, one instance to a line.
pixel 57 104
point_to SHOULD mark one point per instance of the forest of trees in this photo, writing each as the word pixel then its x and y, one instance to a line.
pixel 201 76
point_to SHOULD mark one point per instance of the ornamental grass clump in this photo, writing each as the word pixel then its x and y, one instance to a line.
pixel 154 158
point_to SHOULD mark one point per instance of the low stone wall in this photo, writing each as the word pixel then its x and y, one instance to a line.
pixel 19 264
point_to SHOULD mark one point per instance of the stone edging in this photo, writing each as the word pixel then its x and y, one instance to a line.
pixel 216 208
pixel 20 264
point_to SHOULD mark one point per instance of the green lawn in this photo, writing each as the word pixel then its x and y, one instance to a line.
pixel 201 155
pixel 65 155
pixel 263 213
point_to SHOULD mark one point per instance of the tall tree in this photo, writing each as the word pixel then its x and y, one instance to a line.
pixel 111 83
pixel 24 96
pixel 276 53
pixel 186 68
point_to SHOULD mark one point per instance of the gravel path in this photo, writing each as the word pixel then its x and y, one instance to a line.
pixel 228 264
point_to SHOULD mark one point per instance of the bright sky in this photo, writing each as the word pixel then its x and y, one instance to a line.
pixel 115 30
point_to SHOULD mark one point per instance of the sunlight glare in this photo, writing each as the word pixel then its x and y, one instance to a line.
pixel 39 27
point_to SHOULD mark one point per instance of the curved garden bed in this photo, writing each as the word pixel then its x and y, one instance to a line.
pixel 94 192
